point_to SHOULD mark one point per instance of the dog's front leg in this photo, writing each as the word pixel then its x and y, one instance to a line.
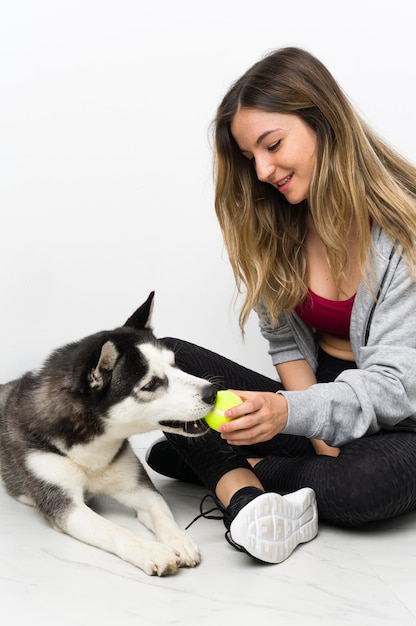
pixel 133 488
pixel 152 557
pixel 154 512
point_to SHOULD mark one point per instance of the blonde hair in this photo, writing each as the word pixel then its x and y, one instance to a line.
pixel 357 176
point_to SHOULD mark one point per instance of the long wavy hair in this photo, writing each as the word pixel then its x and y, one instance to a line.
pixel 357 179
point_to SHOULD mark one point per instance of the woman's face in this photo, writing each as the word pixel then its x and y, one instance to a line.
pixel 282 147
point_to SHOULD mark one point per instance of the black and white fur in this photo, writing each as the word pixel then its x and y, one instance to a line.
pixel 64 438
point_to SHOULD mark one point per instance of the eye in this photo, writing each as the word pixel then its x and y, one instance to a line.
pixel 275 146
pixel 152 385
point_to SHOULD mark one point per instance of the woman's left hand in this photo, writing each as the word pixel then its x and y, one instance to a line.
pixel 261 416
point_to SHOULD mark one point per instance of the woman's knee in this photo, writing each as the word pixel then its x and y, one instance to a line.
pixel 373 479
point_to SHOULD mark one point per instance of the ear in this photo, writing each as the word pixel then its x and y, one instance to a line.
pixel 141 319
pixel 100 375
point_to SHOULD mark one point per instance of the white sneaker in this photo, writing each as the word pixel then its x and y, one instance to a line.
pixel 271 526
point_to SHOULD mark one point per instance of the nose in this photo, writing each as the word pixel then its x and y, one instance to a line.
pixel 264 169
pixel 209 394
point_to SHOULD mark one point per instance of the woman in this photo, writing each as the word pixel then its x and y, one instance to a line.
pixel 319 217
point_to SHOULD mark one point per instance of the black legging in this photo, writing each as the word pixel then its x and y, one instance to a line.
pixel 373 478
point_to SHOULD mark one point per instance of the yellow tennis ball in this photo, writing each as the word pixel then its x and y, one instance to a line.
pixel 225 400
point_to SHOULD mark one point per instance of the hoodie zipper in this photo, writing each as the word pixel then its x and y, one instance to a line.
pixel 380 289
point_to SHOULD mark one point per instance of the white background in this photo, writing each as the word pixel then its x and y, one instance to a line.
pixel 106 186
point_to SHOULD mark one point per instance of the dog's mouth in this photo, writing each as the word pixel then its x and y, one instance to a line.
pixel 191 429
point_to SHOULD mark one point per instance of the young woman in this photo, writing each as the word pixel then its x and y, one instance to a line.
pixel 318 216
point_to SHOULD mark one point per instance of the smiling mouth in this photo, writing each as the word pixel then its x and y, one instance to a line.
pixel 193 429
pixel 284 181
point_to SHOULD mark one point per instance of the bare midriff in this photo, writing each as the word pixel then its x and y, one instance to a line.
pixel 335 346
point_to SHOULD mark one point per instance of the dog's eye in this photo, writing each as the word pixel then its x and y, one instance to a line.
pixel 152 385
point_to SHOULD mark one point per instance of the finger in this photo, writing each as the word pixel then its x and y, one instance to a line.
pixel 249 405
pixel 235 425
pixel 240 424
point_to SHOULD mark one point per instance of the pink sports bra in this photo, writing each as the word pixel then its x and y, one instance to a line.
pixel 330 316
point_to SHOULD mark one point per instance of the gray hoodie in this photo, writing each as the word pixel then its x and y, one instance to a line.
pixel 381 393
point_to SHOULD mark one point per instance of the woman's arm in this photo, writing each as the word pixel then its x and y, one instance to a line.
pixel 264 414
pixel 296 376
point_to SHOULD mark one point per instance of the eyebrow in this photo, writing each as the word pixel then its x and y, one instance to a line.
pixel 263 136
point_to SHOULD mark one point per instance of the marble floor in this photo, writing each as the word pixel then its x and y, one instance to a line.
pixel 359 578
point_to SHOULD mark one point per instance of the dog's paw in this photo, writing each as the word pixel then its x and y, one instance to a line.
pixel 160 560
pixel 186 547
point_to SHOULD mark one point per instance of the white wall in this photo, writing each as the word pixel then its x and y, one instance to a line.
pixel 105 175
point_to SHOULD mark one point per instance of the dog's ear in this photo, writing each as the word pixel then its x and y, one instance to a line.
pixel 141 319
pixel 100 375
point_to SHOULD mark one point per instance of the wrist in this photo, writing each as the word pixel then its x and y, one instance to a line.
pixel 282 410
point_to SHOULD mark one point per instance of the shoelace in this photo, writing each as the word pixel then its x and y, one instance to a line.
pixel 206 514
pixel 233 543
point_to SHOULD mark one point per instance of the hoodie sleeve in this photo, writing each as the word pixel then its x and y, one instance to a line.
pixel 381 393
pixel 290 340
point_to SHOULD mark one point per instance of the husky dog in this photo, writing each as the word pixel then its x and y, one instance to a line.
pixel 64 432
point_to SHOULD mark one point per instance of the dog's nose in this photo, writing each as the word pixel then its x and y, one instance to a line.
pixel 209 394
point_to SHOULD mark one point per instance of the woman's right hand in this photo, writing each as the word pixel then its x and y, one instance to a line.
pixel 261 416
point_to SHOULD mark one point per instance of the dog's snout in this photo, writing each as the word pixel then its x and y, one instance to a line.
pixel 209 394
